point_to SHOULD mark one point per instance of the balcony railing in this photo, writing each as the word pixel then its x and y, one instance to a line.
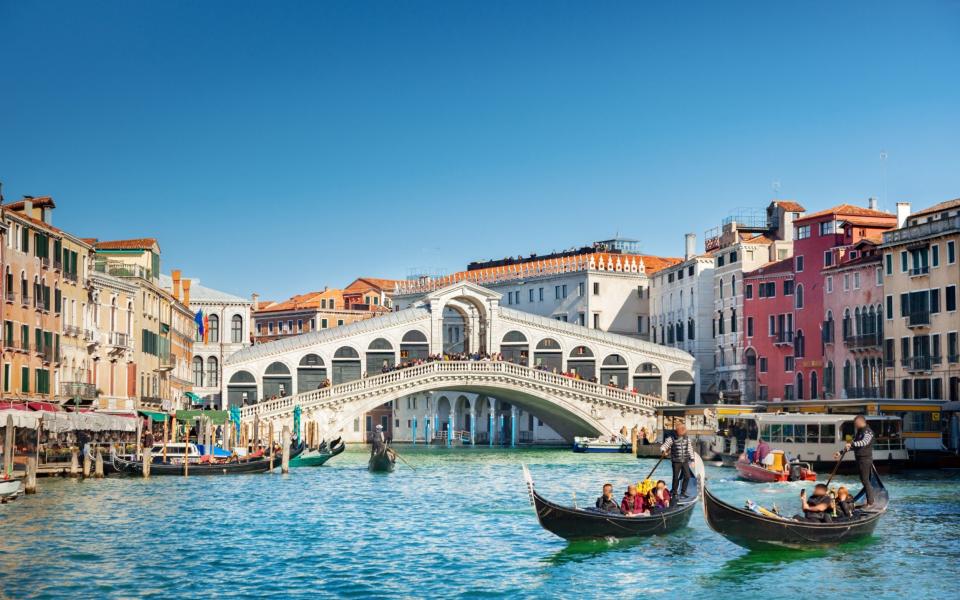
pixel 953 358
pixel 25 299
pixel 45 262
pixel 91 336
pixel 72 277
pixel 863 392
pixel 119 340
pixel 921 363
pixel 58 264
pixel 862 341
pixel 919 271
pixel 922 230
pixel 919 318
pixel 10 296
pixel 73 390
pixel 49 354
pixel 121 269
pixel 72 331
pixel 783 337
pixel 25 345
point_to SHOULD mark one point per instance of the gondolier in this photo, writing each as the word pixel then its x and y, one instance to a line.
pixel 862 446
pixel 680 450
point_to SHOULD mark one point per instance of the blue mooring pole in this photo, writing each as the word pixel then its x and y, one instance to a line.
pixel 414 436
pixel 503 431
pixel 490 441
pixel 450 430
pixel 513 429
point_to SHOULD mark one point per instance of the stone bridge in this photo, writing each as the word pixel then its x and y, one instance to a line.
pixel 634 376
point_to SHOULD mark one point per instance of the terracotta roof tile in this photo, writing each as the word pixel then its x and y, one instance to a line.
pixel 40 201
pixel 847 210
pixel 790 205
pixel 937 208
pixel 772 268
pixel 133 244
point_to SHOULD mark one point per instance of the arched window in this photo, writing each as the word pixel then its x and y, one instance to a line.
pixel 214 325
pixel 733 285
pixel 800 386
pixel 847 376
pixel 213 372
pixel 113 314
pixel 798 296
pixel 721 287
pixel 733 320
pixel 814 392
pixel 691 329
pixel 236 329
pixel 197 371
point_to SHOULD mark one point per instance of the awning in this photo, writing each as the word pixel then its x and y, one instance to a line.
pixel 153 415
pixel 193 398
pixel 217 417
pixel 21 418
pixel 59 422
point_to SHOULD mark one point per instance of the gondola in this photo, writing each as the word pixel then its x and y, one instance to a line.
pixel 752 530
pixel 257 465
pixel 382 461
pixel 316 458
pixel 573 523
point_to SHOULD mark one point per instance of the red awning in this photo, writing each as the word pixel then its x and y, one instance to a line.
pixel 48 406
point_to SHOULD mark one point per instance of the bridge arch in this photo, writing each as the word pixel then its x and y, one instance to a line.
pixel 515 348
pixel 680 387
pixel 548 355
pixel 242 389
pixel 311 373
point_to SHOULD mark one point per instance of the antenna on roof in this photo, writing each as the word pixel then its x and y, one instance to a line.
pixel 775 186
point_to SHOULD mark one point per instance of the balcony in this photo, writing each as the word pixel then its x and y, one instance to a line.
pixel 922 230
pixel 920 363
pixel 45 262
pixel 25 300
pixel 119 341
pixel 121 269
pixel 71 277
pixel 75 390
pixel 919 271
pixel 91 337
pixel 49 354
pixel 24 345
pixel 10 296
pixel 783 338
pixel 72 331
pixel 863 392
pixel 919 318
pixel 57 264
pixel 167 363
pixel 866 341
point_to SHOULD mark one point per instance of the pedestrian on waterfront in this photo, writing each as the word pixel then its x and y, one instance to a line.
pixel 606 503
pixel 862 445
pixel 680 450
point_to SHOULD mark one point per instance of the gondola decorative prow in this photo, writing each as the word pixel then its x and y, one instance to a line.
pixel 529 479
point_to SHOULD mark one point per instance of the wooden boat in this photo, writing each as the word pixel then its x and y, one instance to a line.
pixel 316 458
pixel 383 461
pixel 9 488
pixel 752 530
pixel 233 467
pixel 572 523
pixel 777 473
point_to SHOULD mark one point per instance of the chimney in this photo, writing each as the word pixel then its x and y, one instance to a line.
pixel 690 239
pixel 175 276
pixel 872 203
pixel 186 292
pixel 28 206
pixel 903 211
pixel 255 298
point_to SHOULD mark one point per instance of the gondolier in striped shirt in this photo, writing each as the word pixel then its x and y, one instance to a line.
pixel 862 446
pixel 680 450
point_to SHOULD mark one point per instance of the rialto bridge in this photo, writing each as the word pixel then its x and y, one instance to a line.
pixel 540 365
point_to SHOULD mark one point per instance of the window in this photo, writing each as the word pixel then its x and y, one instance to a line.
pixel 951 252
pixel 828 258
pixel 733 257
pixel 888 261
pixel 6 377
pixel 951 298
pixel 788 288
pixel 290 325
pixel 530 295
pixel 639 324
pixel 878 276
pixel 339 322
pixel 214 327
pixel 935 255
pixel 25 377
pixel 856 281
pixel 540 294
pixel 829 284
pixel 323 323
pixel 749 326
pixel 952 350
pixel 889 308
pixel 748 292
pixel 787 363
pixel 904 261
pixel 580 289
pixel 720 261
pixel 556 292
pixel 803 232
pixel 313 324
pixel 596 288
pixel 771 325
pixel 213 372
pixel 236 329
pixel 690 269
pixel 798 299
pixel 270 327
pixel 762 364
pixel 596 320
pixel 830 227
pixel 771 289
pixel 197 371
pixel 299 325
pixel 799 264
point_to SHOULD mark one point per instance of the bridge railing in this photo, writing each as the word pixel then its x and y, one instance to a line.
pixel 320 396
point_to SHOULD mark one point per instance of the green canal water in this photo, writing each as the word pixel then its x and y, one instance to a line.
pixel 456 525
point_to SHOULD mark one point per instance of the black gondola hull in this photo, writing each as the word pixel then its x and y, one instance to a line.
pixel 260 465
pixel 381 462
pixel 754 531
pixel 585 524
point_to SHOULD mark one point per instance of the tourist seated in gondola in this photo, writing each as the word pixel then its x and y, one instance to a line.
pixel 844 502
pixel 606 503
pixel 661 497
pixel 818 507
pixel 633 503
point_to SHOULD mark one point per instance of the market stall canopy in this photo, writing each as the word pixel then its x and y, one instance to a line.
pixel 21 418
pixel 217 417
pixel 59 422
pixel 154 416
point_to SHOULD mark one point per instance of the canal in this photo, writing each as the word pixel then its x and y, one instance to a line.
pixel 458 524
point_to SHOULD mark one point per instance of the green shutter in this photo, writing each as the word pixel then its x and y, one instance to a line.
pixel 25 379
pixel 6 377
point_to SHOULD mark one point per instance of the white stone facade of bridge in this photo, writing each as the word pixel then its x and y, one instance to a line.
pixel 351 356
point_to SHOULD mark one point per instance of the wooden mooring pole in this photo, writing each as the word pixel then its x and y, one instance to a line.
pixel 147 461
pixel 30 482
pixel 98 465
pixel 285 463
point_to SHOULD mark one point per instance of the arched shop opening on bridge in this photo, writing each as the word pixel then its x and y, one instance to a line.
pixel 346 365
pixel 414 346
pixel 582 363
pixel 277 380
pixel 311 373
pixel 614 371
pixel 680 387
pixel 548 355
pixel 647 380
pixel 515 348
pixel 380 356
pixel 242 389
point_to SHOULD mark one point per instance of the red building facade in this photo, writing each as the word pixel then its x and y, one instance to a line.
pixel 787 345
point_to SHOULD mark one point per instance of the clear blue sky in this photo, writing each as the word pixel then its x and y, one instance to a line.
pixel 283 146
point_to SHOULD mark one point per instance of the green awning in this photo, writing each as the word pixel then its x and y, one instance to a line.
pixel 153 416
pixel 217 417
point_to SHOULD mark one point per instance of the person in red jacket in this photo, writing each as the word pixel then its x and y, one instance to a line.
pixel 633 504
pixel 661 496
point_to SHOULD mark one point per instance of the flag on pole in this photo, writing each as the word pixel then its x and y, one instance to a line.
pixel 206 328
pixel 198 319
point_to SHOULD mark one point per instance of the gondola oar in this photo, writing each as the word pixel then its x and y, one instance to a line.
pixel 397 454
pixel 837 466
pixel 654 469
